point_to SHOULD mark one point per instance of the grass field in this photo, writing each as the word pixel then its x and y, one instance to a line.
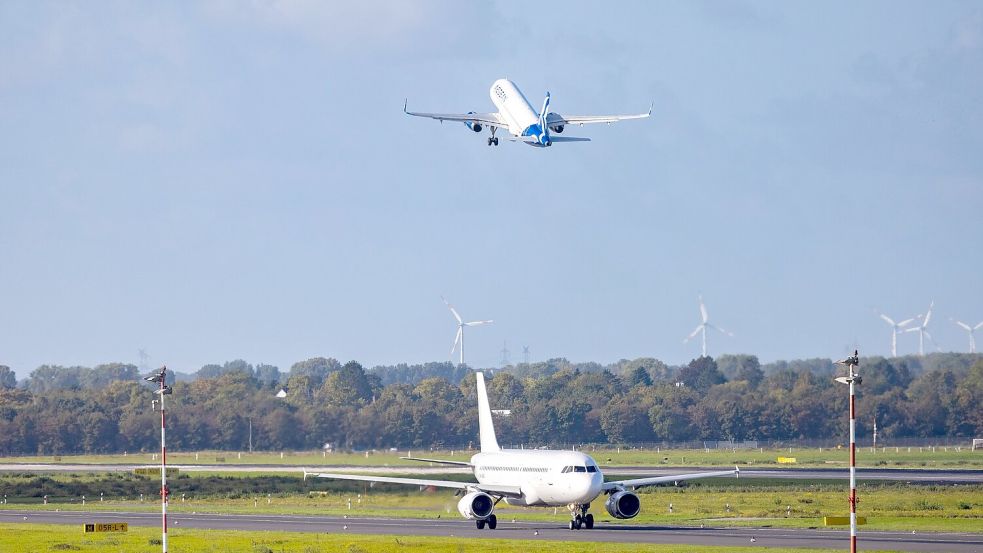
pixel 779 503
pixel 901 457
pixel 16 538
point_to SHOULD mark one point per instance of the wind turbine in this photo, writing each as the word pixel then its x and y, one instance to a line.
pixel 896 328
pixel 459 338
pixel 703 326
pixel 970 330
pixel 922 331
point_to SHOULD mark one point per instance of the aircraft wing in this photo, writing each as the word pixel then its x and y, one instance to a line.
pixel 491 489
pixel 490 119
pixel 554 119
pixel 642 482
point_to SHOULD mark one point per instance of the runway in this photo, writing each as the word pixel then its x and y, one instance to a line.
pixel 603 532
pixel 922 476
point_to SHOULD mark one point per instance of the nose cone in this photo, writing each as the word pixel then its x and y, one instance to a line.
pixel 596 484
pixel 591 488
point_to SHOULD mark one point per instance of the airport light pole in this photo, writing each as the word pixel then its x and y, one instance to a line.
pixel 159 378
pixel 852 378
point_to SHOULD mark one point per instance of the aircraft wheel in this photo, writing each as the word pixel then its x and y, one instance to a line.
pixel 480 524
pixel 490 141
pixel 573 525
pixel 496 141
pixel 589 521
pixel 492 522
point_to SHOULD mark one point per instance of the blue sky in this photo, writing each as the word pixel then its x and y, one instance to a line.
pixel 224 180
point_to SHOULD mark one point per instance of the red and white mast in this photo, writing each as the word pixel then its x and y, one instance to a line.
pixel 852 379
pixel 164 390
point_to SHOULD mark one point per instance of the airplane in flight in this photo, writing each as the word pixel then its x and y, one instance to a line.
pixel 543 478
pixel 518 118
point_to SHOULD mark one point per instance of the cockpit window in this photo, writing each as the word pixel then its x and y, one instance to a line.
pixel 580 469
pixel 591 468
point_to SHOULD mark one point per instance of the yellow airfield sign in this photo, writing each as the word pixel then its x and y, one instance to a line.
pixel 788 460
pixel 106 527
pixel 842 521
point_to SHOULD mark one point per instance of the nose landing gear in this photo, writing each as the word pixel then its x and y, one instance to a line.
pixel 583 519
pixel 492 139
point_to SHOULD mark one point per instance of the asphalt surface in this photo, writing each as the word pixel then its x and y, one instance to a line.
pixel 624 533
pixel 925 476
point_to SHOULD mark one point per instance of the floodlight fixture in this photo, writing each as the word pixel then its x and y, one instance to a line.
pixel 157 377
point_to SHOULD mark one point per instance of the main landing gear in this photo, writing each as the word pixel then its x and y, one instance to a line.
pixel 492 139
pixel 491 521
pixel 583 519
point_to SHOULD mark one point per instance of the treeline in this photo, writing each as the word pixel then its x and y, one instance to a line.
pixel 643 400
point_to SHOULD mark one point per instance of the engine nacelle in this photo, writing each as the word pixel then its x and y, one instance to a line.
pixel 623 505
pixel 557 129
pixel 476 506
pixel 473 125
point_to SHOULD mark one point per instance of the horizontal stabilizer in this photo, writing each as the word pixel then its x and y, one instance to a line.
pixel 441 461
pixel 533 140
pixel 568 139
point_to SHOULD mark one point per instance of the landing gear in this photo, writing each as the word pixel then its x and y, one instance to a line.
pixel 480 524
pixel 491 521
pixel 583 519
pixel 492 139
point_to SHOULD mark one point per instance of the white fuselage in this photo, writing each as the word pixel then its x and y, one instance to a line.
pixel 513 107
pixel 547 478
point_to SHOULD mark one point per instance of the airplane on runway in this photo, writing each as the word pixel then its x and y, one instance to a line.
pixel 543 478
pixel 517 116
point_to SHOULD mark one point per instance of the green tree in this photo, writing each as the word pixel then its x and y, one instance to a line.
pixel 267 375
pixel 639 376
pixel 701 374
pixel 7 377
pixel 625 420
pixel 969 402
pixel 347 387
pixel 317 368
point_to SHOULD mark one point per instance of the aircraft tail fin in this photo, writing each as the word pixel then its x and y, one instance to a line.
pixel 486 428
pixel 545 111
pixel 542 117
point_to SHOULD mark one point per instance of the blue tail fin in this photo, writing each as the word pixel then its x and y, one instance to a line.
pixel 544 112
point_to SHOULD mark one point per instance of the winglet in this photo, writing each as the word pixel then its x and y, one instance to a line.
pixel 737 471
pixel 405 101
pixel 305 475
pixel 652 105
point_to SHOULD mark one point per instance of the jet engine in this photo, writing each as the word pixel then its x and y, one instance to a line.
pixel 557 129
pixel 473 125
pixel 623 505
pixel 479 506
